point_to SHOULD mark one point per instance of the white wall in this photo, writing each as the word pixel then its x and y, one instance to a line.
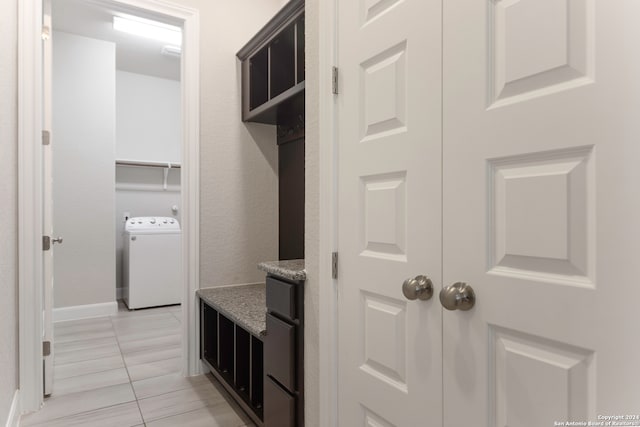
pixel 83 143
pixel 147 118
pixel 148 127
pixel 9 203
pixel 238 162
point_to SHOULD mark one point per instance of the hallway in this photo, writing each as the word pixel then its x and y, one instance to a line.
pixel 124 370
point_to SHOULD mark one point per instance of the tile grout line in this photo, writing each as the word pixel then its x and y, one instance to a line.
pixel 59 365
pixel 128 375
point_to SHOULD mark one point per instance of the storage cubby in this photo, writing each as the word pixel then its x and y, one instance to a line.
pixel 210 335
pixel 226 329
pixel 259 78
pixel 283 65
pixel 273 65
pixel 243 363
pixel 257 372
pixel 235 357
pixel 300 49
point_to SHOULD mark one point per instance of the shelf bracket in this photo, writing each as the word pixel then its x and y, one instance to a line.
pixel 166 176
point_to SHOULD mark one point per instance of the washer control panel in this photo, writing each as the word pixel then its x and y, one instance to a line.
pixel 152 223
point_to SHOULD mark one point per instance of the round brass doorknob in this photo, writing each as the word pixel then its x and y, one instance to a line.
pixel 458 296
pixel 420 287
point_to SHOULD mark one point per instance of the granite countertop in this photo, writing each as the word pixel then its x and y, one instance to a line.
pixel 291 269
pixel 243 304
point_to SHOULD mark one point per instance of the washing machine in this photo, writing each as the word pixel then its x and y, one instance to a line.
pixel 151 262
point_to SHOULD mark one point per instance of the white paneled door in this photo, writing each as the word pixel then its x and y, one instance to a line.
pixel 390 212
pixel 541 210
pixel 515 172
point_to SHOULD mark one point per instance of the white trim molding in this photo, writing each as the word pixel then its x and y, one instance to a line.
pixel 190 181
pixel 328 229
pixel 86 311
pixel 30 212
pixel 30 107
pixel 13 419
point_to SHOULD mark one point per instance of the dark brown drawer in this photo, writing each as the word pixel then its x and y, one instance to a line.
pixel 279 352
pixel 279 406
pixel 281 298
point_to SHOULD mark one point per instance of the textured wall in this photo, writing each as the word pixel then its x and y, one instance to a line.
pixel 238 161
pixel 9 210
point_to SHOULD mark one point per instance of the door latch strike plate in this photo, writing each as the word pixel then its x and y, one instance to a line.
pixel 46 243
pixel 46 348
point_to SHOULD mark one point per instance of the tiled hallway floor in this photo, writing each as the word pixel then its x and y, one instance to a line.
pixel 124 370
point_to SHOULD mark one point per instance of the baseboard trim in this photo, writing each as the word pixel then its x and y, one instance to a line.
pixel 85 311
pixel 13 420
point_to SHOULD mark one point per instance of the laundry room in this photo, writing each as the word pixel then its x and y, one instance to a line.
pixel 116 160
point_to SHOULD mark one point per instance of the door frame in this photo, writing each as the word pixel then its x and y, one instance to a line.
pixel 30 189
pixel 325 37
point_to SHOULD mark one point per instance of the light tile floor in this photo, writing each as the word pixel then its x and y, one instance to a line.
pixel 124 370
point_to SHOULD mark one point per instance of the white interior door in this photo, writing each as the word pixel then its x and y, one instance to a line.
pixel 389 212
pixel 47 266
pixel 541 210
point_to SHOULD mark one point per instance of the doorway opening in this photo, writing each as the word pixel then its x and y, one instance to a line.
pixel 33 284
pixel 115 118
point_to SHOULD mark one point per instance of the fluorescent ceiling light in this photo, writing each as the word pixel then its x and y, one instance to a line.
pixel 149 29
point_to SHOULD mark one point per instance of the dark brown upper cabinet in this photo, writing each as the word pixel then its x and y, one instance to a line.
pixel 273 65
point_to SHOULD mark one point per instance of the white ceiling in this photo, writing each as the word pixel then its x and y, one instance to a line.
pixel 134 54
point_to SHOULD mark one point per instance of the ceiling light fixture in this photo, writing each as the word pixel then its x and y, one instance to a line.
pixel 149 29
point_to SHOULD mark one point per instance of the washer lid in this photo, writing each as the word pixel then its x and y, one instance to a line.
pixel 151 224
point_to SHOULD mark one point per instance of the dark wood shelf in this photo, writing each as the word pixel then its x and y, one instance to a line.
pixel 273 65
pixel 269 112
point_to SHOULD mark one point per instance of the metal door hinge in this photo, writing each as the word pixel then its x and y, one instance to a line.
pixel 334 265
pixel 46 348
pixel 46 137
pixel 334 80
pixel 46 243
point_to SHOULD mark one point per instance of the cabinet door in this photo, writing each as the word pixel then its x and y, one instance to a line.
pixel 281 298
pixel 279 361
pixel 279 406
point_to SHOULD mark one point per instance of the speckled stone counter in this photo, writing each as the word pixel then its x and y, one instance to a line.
pixel 292 269
pixel 243 304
